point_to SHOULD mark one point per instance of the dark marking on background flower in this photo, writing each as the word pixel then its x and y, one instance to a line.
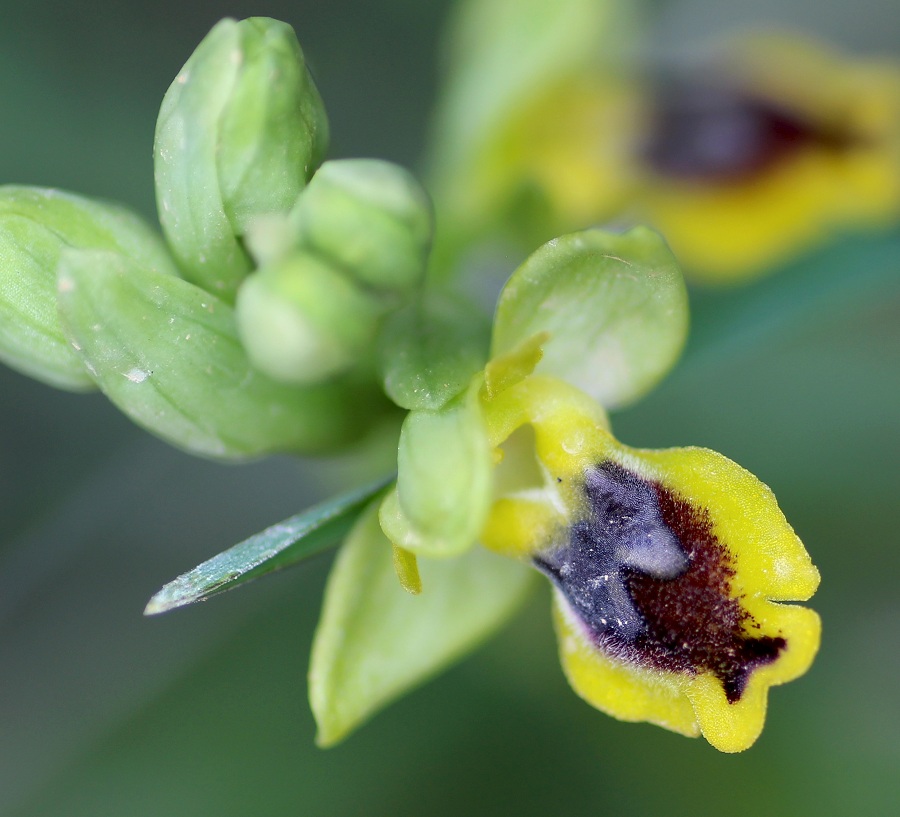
pixel 651 583
pixel 709 132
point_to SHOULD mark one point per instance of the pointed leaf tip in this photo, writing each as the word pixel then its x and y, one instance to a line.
pixel 287 543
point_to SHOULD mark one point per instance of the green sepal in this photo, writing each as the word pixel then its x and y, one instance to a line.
pixel 375 641
pixel 283 545
pixel 370 217
pixel 430 350
pixel 36 225
pixel 303 321
pixel 239 133
pixel 167 354
pixel 444 482
pixel 614 307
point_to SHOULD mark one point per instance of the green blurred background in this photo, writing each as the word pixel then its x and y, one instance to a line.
pixel 203 712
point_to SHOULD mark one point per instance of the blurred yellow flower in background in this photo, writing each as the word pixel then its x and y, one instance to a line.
pixel 762 152
pixel 748 155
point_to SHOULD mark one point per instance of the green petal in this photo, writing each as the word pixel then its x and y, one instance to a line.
pixel 376 641
pixel 36 225
pixel 282 545
pixel 614 306
pixel 430 350
pixel 190 202
pixel 444 482
pixel 167 354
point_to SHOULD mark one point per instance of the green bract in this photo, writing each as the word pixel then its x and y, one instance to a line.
pixel 303 321
pixel 240 132
pixel 36 225
pixel 370 217
pixel 614 308
pixel 375 641
pixel 167 354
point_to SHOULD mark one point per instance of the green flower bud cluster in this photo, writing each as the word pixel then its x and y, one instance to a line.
pixel 353 248
pixel 254 326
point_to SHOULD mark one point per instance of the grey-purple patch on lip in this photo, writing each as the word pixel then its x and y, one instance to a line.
pixel 649 581
pixel 622 532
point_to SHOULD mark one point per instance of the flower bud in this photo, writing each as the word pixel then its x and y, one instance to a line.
pixel 240 131
pixel 370 217
pixel 303 321
pixel 168 355
pixel 36 225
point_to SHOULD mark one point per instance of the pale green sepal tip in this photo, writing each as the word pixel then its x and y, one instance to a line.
pixel 614 306
pixel 167 354
pixel 372 218
pixel 273 132
pixel 36 225
pixel 283 545
pixel 302 321
pixel 429 351
pixel 444 483
pixel 375 641
pixel 189 199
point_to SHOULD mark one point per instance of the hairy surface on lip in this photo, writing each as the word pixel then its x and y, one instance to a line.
pixel 651 583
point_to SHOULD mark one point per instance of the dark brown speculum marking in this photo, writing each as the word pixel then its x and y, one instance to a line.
pixel 650 582
pixel 708 131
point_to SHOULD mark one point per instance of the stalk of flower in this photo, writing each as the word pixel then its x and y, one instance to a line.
pixel 669 568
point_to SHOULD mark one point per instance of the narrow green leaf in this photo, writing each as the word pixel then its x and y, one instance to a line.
pixel 430 350
pixel 614 307
pixel 375 641
pixel 282 545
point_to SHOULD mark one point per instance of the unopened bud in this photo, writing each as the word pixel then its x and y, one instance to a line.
pixel 240 131
pixel 36 225
pixel 371 218
pixel 303 321
pixel 167 354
